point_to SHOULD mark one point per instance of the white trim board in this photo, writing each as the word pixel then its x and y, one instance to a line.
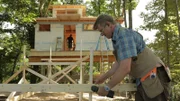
pixel 60 87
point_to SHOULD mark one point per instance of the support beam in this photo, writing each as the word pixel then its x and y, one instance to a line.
pixel 60 59
pixel 52 63
pixel 41 76
pixel 59 87
pixel 66 76
pixel 65 73
pixel 14 75
pixel 91 71
pixel 67 68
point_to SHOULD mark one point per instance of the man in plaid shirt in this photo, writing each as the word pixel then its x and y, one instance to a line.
pixel 135 58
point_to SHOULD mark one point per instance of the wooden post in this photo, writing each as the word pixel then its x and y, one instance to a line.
pixel 91 71
pixel 24 64
pixel 49 66
pixel 100 64
pixel 81 74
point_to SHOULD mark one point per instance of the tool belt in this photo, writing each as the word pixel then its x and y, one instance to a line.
pixel 153 83
pixel 151 74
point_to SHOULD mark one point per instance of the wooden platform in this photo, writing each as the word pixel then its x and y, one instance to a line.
pixel 66 56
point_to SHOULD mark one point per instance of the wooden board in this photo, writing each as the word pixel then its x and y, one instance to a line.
pixel 59 87
pixel 66 56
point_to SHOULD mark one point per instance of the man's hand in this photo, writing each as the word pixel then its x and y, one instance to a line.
pixel 99 80
pixel 102 91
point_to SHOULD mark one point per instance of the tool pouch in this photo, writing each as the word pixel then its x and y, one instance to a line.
pixel 164 75
pixel 152 87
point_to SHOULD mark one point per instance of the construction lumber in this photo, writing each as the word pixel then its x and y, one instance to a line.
pixel 60 87
pixel 50 63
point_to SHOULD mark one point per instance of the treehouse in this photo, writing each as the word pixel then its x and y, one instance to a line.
pixel 51 50
pixel 51 34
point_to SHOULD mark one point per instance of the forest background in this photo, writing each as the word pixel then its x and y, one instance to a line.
pixel 161 15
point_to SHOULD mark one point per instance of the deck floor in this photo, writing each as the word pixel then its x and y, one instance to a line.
pixel 68 56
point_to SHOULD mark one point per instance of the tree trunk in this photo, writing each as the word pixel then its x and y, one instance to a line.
pixel 113 7
pixel 15 61
pixel 166 35
pixel 177 16
pixel 130 14
pixel 99 5
pixel 72 2
pixel 43 7
pixel 119 7
pixel 124 13
pixel 46 10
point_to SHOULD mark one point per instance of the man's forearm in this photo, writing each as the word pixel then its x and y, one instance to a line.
pixel 114 68
pixel 123 69
pixel 117 77
pixel 111 71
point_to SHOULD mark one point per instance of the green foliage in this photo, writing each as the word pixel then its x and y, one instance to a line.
pixel 96 7
pixel 111 7
pixel 9 55
pixel 86 67
pixel 155 19
pixel 72 2
pixel 176 92
pixel 21 14
pixel 133 4
pixel 176 84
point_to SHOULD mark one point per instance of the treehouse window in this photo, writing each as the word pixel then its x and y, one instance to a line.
pixel 44 27
pixel 87 27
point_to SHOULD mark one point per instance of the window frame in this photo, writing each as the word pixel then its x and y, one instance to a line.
pixel 88 29
pixel 44 27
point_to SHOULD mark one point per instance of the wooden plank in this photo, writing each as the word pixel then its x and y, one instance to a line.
pixel 91 71
pixel 66 53
pixel 15 74
pixel 72 21
pixel 41 76
pixel 96 59
pixel 59 87
pixel 51 63
pixel 69 78
pixel 67 68
pixel 61 59
pixel 66 76
pixel 81 73
pixel 65 73
pixel 125 87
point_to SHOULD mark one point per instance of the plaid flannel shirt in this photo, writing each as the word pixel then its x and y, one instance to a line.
pixel 126 43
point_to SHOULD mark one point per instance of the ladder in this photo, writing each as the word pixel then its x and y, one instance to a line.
pixel 100 41
pixel 58 44
pixel 104 53
pixel 104 61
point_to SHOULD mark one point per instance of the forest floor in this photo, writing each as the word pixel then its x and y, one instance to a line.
pixel 63 96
